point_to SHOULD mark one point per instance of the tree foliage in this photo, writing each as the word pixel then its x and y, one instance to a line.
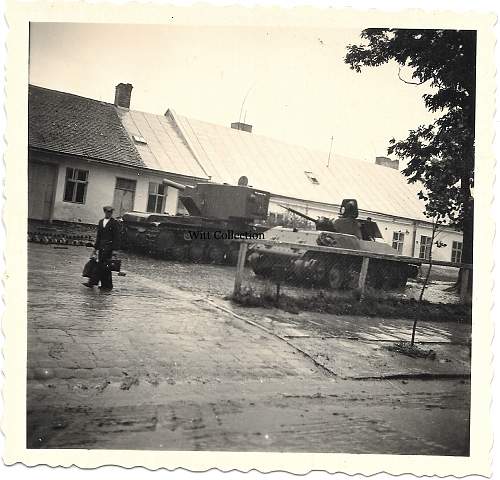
pixel 439 155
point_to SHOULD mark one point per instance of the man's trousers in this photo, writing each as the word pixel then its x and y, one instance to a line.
pixel 102 273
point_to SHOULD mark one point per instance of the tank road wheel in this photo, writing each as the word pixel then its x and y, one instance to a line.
pixel 165 241
pixel 261 266
pixel 376 277
pixel 381 276
pixel 315 271
pixel 399 276
pixel 130 239
pixel 179 253
pixel 215 254
pixel 351 277
pixel 232 253
pixel 196 252
pixel 335 278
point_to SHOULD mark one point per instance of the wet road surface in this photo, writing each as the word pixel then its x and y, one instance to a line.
pixel 219 279
pixel 161 363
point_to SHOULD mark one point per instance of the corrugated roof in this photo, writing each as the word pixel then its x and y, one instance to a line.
pixel 160 143
pixel 280 168
pixel 67 123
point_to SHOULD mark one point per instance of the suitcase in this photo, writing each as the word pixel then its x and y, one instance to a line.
pixel 89 268
pixel 115 264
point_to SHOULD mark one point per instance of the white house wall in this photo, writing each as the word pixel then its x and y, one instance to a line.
pixel 444 235
pixel 100 189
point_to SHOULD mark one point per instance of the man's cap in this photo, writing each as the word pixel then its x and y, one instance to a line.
pixel 108 208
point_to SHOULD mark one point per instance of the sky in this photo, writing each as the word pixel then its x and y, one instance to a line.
pixel 291 84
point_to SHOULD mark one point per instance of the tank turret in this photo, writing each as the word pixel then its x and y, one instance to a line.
pixel 347 223
pixel 223 201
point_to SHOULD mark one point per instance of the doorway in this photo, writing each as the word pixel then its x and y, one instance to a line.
pixel 42 178
pixel 123 199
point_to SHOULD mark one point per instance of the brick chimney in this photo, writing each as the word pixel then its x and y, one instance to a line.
pixel 387 162
pixel 123 92
pixel 242 126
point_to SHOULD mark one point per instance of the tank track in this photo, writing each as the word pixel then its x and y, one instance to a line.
pixel 331 270
pixel 176 244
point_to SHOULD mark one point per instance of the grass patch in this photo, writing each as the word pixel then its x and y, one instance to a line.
pixel 406 348
pixel 266 299
pixel 375 304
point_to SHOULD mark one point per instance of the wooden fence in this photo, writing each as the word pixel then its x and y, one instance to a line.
pixel 345 251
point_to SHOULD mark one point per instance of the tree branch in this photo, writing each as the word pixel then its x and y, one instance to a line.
pixel 408 82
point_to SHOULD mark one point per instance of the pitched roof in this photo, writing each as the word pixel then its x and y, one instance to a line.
pixel 75 125
pixel 161 144
pixel 280 168
pixel 173 143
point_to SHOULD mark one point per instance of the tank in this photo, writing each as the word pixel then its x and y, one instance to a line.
pixel 218 214
pixel 336 271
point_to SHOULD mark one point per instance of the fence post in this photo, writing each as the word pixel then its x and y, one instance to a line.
pixel 464 285
pixel 362 277
pixel 240 265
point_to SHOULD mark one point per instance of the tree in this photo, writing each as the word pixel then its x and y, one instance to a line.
pixel 439 155
pixel 435 224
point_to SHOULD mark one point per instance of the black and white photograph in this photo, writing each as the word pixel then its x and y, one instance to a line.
pixel 251 238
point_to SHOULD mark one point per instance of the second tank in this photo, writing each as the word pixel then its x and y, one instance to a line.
pixel 336 270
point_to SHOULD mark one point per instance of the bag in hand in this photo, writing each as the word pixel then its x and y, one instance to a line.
pixel 115 264
pixel 89 268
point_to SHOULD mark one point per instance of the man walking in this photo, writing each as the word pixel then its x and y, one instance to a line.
pixel 107 241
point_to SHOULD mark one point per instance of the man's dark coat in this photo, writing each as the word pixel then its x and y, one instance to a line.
pixel 107 240
pixel 108 237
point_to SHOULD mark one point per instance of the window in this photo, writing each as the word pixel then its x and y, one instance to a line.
pixel 398 239
pixel 312 177
pixel 456 252
pixel 425 247
pixel 139 139
pixel 156 197
pixel 125 184
pixel 75 189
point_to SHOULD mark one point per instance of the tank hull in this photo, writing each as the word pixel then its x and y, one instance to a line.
pixel 333 270
pixel 186 238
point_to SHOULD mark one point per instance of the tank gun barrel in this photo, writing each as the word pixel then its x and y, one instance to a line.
pixel 176 185
pixel 300 214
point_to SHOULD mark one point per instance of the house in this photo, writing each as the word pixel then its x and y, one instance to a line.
pixel 84 153
pixel 80 157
